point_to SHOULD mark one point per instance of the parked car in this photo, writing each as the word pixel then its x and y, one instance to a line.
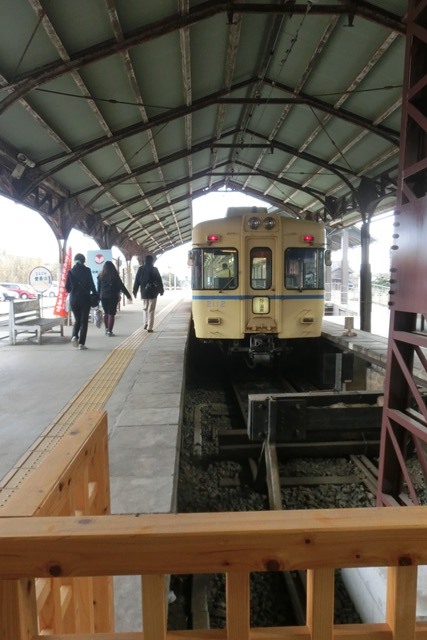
pixel 52 292
pixel 7 294
pixel 24 291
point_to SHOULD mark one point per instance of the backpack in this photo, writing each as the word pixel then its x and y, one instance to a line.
pixel 150 290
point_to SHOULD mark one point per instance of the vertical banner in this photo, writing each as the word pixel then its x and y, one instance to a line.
pixel 60 304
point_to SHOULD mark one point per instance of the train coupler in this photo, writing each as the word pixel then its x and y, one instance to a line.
pixel 262 348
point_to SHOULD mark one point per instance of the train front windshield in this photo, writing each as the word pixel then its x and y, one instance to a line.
pixel 304 269
pixel 261 261
pixel 214 269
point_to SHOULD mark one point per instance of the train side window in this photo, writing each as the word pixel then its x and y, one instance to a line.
pixel 304 268
pixel 260 268
pixel 214 268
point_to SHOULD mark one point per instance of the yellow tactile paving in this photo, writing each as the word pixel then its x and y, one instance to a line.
pixel 91 397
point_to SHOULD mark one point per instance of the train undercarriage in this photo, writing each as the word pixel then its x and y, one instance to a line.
pixel 316 358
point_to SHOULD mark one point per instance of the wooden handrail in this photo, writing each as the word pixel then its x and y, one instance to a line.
pixel 235 544
pixel 59 549
pixel 213 542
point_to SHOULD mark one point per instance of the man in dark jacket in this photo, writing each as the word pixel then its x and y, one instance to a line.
pixel 80 286
pixel 149 280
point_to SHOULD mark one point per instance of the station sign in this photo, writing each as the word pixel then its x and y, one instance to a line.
pixel 40 279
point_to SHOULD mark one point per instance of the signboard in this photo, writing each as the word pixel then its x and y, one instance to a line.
pixel 61 300
pixel 40 279
pixel 96 259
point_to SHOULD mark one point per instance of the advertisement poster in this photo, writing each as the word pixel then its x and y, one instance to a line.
pixel 60 304
pixel 96 259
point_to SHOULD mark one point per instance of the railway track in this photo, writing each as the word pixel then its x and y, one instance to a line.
pixel 271 482
pixel 270 438
pixel 223 469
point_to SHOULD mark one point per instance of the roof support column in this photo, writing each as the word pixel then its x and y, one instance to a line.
pixel 365 278
pixel 344 268
pixel 404 423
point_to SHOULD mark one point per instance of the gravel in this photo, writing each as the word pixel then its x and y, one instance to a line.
pixel 201 489
pixel 207 484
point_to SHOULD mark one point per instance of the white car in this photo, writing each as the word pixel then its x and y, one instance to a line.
pixel 8 294
pixel 52 292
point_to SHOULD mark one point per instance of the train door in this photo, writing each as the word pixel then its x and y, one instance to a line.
pixel 261 306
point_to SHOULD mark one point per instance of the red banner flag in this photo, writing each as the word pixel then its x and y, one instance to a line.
pixel 60 304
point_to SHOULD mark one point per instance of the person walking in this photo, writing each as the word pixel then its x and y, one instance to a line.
pixel 149 281
pixel 80 285
pixel 110 286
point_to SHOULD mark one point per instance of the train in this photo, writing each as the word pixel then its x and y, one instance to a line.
pixel 258 281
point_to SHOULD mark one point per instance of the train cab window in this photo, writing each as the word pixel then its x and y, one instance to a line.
pixel 304 269
pixel 214 268
pixel 260 268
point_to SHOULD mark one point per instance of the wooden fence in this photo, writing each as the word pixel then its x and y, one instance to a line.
pixel 70 558
pixel 236 544
pixel 65 475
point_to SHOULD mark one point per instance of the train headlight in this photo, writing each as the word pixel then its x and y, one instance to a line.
pixel 254 223
pixel 261 304
pixel 269 223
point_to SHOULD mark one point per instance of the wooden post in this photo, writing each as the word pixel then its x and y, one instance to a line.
pixel 402 601
pixel 154 607
pixel 238 606
pixel 320 603
pixel 18 610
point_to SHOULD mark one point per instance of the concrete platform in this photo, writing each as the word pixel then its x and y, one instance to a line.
pixel 144 409
pixel 146 416
pixel 39 382
pixel 369 347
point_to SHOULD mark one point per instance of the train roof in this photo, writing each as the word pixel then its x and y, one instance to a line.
pixel 234 222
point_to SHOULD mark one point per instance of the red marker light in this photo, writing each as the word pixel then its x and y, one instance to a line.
pixel 213 238
pixel 308 239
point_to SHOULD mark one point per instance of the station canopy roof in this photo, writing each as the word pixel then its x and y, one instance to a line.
pixel 116 114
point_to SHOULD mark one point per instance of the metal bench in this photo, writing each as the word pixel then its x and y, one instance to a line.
pixel 25 316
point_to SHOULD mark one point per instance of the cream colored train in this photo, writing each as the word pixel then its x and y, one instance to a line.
pixel 257 281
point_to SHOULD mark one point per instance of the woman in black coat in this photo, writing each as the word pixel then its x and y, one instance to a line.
pixel 110 286
pixel 149 280
pixel 80 285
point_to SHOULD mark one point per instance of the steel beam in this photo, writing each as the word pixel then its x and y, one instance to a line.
pixel 404 423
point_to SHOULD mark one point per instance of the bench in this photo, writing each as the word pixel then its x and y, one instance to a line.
pixel 25 316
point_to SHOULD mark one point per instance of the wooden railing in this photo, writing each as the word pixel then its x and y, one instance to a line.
pixel 57 556
pixel 61 475
pixel 236 544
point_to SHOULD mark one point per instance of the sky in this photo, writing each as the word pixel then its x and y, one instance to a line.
pixel 23 232
pixel 381 230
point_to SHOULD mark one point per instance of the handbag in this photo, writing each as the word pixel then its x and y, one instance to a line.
pixel 97 317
